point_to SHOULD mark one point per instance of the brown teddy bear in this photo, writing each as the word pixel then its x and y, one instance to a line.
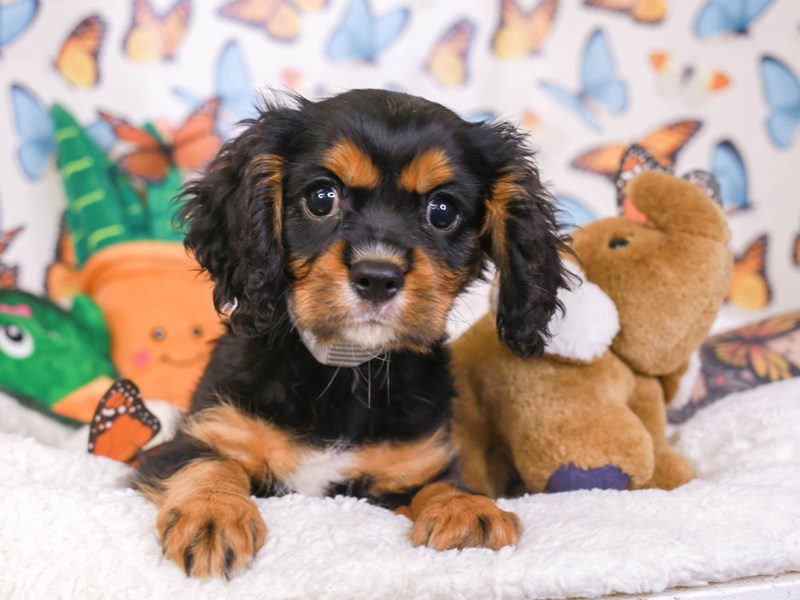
pixel 591 412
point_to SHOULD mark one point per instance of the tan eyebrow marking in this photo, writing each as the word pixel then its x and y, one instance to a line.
pixel 426 171
pixel 351 164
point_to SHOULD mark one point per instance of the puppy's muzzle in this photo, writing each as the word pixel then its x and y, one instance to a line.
pixel 376 281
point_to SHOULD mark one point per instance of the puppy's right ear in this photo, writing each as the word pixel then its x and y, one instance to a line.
pixel 233 217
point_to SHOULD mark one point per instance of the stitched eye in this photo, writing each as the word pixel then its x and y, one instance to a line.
pixel 197 331
pixel 442 213
pixel 617 242
pixel 15 341
pixel 323 201
pixel 158 334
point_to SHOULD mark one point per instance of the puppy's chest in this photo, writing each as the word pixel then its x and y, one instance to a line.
pixel 378 469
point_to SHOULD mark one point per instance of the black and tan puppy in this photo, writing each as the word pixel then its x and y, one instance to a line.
pixel 338 233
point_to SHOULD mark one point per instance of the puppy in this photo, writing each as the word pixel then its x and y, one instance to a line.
pixel 338 234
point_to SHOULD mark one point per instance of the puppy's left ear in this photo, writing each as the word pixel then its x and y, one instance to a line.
pixel 521 236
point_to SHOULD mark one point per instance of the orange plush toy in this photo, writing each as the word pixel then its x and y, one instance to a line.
pixel 130 260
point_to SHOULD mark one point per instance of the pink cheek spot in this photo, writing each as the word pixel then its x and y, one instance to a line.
pixel 141 358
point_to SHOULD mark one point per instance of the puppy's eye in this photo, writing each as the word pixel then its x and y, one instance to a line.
pixel 323 201
pixel 618 242
pixel 442 213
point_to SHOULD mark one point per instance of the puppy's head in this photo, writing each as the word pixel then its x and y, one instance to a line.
pixel 366 214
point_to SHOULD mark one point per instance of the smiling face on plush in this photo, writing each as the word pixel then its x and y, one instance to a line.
pixel 159 313
pixel 667 276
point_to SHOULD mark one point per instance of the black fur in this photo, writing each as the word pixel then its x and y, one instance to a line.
pixel 261 365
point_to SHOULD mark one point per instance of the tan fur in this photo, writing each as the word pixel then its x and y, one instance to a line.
pixel 264 451
pixel 446 518
pixel 527 417
pixel 504 191
pixel 426 171
pixel 393 467
pixel 267 169
pixel 206 515
pixel 351 165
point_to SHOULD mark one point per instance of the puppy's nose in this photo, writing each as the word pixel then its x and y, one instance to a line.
pixel 376 281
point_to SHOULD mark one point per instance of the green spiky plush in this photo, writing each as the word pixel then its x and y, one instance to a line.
pixel 54 360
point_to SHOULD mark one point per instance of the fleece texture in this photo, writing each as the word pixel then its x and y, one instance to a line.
pixel 71 529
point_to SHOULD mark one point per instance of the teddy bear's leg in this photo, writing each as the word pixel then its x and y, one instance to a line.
pixel 671 468
pixel 470 432
pixel 581 443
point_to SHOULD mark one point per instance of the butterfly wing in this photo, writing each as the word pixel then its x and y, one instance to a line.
pixel 102 133
pixel 15 18
pixel 362 36
pixel 635 160
pixel 796 253
pixel 728 16
pixel 121 425
pixel 782 92
pixel 539 24
pixel 151 165
pixel 77 59
pixel 388 28
pixel 232 83
pixel 196 142
pixel 36 130
pixel 728 168
pixel 447 61
pixel 570 101
pixel 706 182
pixel 603 160
pixel 750 288
pixel 126 132
pixel 665 143
pixel 173 26
pixel 599 79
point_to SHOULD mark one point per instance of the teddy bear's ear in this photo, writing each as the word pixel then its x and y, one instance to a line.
pixel 587 325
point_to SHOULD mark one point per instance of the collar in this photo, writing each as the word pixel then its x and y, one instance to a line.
pixel 338 354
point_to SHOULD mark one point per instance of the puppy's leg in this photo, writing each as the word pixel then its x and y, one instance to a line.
pixel 201 482
pixel 446 518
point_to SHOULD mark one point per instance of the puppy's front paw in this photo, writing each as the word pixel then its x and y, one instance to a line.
pixel 215 534
pixel 460 520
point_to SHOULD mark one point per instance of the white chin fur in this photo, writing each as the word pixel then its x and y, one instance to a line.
pixel 368 335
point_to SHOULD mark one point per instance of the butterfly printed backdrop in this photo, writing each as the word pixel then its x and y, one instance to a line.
pixel 712 84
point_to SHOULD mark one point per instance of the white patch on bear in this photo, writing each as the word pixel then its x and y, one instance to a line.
pixel 588 324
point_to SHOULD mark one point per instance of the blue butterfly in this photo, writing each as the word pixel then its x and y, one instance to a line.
pixel 232 85
pixel 362 35
pixel 599 83
pixel 572 213
pixel 480 116
pixel 38 135
pixel 782 91
pixel 728 16
pixel 728 168
pixel 15 17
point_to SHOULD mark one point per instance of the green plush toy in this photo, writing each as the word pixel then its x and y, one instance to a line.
pixel 54 360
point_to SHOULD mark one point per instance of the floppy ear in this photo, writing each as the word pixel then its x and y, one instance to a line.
pixel 521 236
pixel 233 218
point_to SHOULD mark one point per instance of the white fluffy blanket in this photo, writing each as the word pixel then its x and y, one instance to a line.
pixel 68 528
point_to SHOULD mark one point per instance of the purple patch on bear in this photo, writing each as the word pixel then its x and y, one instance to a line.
pixel 568 478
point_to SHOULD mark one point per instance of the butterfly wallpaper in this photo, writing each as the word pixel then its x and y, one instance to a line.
pixel 161 84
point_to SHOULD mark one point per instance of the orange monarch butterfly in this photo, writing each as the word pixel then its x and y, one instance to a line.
pixel 447 61
pixel 8 273
pixel 156 37
pixel 644 11
pixel 663 143
pixel 192 146
pixel 519 33
pixel 121 424
pixel 750 288
pixel 280 19
pixel 77 59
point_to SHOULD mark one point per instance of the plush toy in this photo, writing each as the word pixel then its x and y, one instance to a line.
pixel 54 360
pixel 131 261
pixel 591 412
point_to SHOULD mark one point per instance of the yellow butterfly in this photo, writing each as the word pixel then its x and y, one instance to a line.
pixel 645 11
pixel 750 288
pixel 156 37
pixel 77 59
pixel 447 61
pixel 520 33
pixel 280 19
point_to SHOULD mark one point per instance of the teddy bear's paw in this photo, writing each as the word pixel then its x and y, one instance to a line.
pixel 570 477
